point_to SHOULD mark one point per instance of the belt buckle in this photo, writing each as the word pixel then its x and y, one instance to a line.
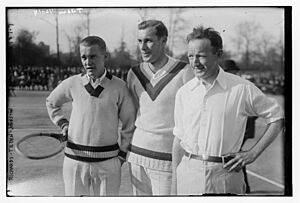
pixel 205 157
pixel 223 160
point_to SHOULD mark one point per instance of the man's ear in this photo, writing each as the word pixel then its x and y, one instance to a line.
pixel 107 55
pixel 220 53
pixel 164 39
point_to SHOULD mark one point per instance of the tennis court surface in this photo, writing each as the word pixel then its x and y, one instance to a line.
pixel 44 177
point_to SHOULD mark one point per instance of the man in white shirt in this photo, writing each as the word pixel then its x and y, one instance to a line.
pixel 210 116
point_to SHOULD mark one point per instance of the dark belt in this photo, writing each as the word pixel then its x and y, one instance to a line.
pixel 92 148
pixel 203 157
pixel 150 154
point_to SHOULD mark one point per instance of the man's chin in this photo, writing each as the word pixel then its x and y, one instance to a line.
pixel 91 74
pixel 199 73
pixel 146 59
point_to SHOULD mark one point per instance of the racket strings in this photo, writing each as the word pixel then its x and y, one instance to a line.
pixel 32 145
pixel 39 146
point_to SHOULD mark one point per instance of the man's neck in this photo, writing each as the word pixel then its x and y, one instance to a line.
pixel 157 65
pixel 93 79
pixel 209 81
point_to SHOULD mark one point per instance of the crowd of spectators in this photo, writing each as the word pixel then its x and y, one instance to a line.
pixel 268 82
pixel 47 78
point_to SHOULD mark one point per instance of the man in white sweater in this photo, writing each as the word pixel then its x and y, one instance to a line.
pixel 153 85
pixel 93 157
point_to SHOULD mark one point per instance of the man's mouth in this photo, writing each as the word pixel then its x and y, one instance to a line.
pixel 146 54
pixel 199 68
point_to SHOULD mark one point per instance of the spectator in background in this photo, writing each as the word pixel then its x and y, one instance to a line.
pixel 230 66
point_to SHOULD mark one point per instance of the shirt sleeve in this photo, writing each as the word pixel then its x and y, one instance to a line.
pixel 127 114
pixel 54 102
pixel 261 105
pixel 178 118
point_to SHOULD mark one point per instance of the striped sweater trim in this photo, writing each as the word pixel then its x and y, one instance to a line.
pixel 95 92
pixel 147 162
pixel 153 91
pixel 92 148
pixel 91 153
pixel 86 159
pixel 150 153
pixel 62 123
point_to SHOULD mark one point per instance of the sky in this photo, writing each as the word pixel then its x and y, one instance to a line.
pixel 113 23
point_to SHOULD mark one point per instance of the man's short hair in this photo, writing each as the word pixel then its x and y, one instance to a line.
pixel 94 40
pixel 207 33
pixel 161 30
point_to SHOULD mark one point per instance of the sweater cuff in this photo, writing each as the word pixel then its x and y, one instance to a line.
pixel 62 123
pixel 122 155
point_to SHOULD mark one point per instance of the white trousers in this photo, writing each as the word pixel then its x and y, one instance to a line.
pixel 92 178
pixel 195 177
pixel 146 181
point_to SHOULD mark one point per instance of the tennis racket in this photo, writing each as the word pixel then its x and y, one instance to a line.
pixel 40 145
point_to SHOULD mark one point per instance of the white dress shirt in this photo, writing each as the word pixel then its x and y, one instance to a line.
pixel 213 121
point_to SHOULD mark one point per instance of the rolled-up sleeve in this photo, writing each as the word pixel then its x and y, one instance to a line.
pixel 261 105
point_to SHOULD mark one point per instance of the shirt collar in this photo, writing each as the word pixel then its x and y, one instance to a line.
pixel 194 83
pixel 161 71
pixel 220 79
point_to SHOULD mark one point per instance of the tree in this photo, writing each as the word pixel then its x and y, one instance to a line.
pixel 26 52
pixel 245 40
pixel 177 26
pixel 25 47
pixel 263 46
pixel 120 58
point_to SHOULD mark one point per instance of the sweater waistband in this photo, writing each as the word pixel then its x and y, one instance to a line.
pixel 91 153
pixel 150 154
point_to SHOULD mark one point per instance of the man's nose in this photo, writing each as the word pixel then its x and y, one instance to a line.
pixel 89 61
pixel 196 60
pixel 143 46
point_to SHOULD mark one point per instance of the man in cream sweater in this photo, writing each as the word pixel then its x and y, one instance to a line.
pixel 153 85
pixel 93 157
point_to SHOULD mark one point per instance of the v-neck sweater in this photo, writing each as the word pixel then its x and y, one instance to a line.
pixel 155 114
pixel 95 115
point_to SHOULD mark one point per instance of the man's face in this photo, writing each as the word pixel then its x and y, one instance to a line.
pixel 151 47
pixel 92 59
pixel 202 58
